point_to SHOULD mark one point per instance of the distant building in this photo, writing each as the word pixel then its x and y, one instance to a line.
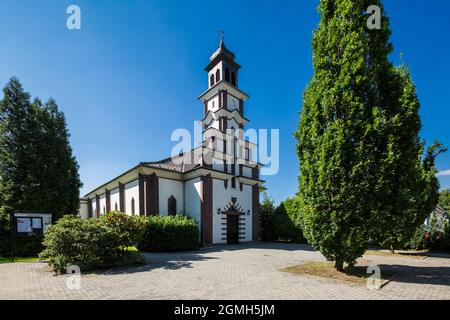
pixel 216 183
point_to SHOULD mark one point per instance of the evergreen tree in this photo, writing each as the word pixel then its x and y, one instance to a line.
pixel 37 169
pixel 17 132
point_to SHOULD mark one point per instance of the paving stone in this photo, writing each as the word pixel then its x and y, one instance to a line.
pixel 245 271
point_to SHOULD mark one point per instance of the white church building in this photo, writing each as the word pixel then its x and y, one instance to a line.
pixel 217 183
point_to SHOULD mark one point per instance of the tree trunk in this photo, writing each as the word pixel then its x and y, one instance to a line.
pixel 339 265
pixel 392 249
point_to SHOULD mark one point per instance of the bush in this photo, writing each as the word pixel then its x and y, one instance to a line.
pixel 281 223
pixel 431 239
pixel 287 222
pixel 93 243
pixel 267 220
pixel 170 233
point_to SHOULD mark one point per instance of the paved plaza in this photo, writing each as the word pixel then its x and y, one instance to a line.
pixel 245 271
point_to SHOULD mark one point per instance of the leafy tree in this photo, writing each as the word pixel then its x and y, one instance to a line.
pixel 406 187
pixel 361 167
pixel 444 199
pixel 287 224
pixel 338 130
pixel 266 216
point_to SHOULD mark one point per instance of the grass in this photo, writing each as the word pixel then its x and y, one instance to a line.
pixel 403 254
pixel 19 259
pixel 356 274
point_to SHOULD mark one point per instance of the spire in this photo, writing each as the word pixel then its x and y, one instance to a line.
pixel 222 36
pixel 222 50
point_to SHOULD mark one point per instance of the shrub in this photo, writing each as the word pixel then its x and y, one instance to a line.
pixel 170 233
pixel 287 221
pixel 281 223
pixel 267 220
pixel 431 239
pixel 92 243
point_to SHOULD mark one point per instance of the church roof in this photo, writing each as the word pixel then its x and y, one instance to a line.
pixel 175 164
pixel 222 53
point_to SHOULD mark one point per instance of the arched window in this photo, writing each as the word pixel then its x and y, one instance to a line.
pixel 133 210
pixel 218 75
pixel 172 206
pixel 115 207
pixel 211 80
pixel 233 78
pixel 227 75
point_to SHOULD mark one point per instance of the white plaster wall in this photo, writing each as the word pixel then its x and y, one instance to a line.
pixel 213 104
pixel 219 144
pixel 215 124
pixel 192 190
pixel 232 123
pixel 168 188
pixel 94 207
pixel 84 209
pixel 102 204
pixel 221 197
pixel 115 199
pixel 132 191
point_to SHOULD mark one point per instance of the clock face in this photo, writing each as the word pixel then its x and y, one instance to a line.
pixel 233 103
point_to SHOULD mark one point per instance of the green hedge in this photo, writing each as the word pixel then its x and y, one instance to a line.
pixel 93 243
pixel 170 233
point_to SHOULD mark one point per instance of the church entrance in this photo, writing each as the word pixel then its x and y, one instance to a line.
pixel 232 228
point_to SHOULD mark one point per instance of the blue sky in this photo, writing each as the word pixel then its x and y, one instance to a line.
pixel 133 72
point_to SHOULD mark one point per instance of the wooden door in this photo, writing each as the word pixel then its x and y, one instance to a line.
pixel 232 229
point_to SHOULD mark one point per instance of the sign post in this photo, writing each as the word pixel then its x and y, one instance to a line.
pixel 13 238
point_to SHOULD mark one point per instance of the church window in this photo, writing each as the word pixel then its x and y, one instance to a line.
pixel 233 182
pixel 104 210
pixel 133 207
pixel 115 206
pixel 172 206
pixel 218 75
pixel 211 81
pixel 233 78
pixel 227 75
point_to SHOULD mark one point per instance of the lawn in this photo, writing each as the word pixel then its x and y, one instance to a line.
pixel 356 274
pixel 402 254
pixel 19 259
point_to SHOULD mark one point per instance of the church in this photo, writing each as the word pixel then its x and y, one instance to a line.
pixel 217 183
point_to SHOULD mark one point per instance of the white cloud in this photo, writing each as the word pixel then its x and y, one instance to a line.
pixel 443 173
